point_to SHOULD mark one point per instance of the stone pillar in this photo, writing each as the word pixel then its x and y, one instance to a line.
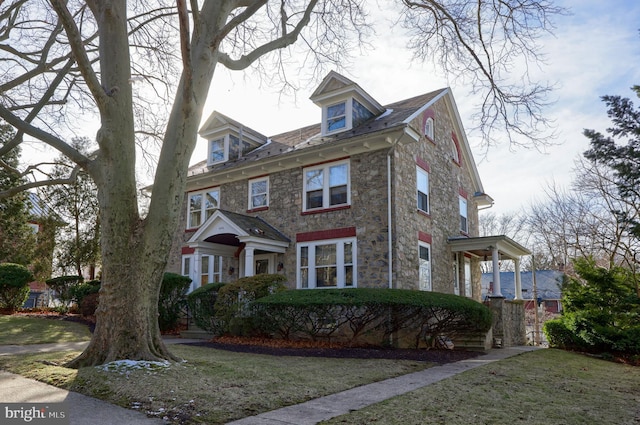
pixel 518 294
pixel 249 263
pixel 495 258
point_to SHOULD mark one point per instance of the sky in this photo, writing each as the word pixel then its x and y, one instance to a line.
pixel 594 51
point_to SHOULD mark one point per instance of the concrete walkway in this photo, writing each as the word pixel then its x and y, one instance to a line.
pixel 84 410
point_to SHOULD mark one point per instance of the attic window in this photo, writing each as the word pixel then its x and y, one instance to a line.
pixel 217 151
pixel 336 117
pixel 428 128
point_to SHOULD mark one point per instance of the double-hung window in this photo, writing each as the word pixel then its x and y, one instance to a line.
pixel 217 151
pixel 326 186
pixel 423 190
pixel 336 117
pixel 464 225
pixel 259 193
pixel 201 206
pixel 210 269
pixel 424 267
pixel 327 264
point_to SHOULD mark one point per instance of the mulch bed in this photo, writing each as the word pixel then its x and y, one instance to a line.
pixel 322 349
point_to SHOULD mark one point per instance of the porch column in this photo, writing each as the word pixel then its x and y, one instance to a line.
pixel 249 264
pixel 518 294
pixel 196 273
pixel 495 258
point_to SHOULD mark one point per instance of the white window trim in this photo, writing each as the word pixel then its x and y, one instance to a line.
pixel 203 210
pixel 340 265
pixel 420 170
pixel 347 117
pixel 212 273
pixel 325 188
pixel 464 212
pixel 429 125
pixel 225 142
pixel 251 182
pixel 429 286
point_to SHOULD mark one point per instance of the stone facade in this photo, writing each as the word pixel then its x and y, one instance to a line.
pixel 368 210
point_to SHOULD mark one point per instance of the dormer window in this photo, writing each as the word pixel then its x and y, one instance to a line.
pixel 344 104
pixel 229 140
pixel 336 117
pixel 217 151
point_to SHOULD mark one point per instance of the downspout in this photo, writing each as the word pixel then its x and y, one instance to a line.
pixel 389 214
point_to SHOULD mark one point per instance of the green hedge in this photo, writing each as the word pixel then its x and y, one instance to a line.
pixel 172 299
pixel 201 303
pixel 14 285
pixel 425 317
pixel 233 305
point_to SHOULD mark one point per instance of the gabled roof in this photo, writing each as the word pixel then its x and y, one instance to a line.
pixel 218 121
pixel 280 149
pixel 243 226
pixel 335 85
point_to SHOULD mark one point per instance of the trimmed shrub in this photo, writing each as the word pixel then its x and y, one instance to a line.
pixel 63 286
pixel 14 286
pixel 86 297
pixel 233 305
pixel 560 336
pixel 424 317
pixel 201 303
pixel 89 304
pixel 172 300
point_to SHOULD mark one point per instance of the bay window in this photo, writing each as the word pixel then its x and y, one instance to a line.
pixel 327 264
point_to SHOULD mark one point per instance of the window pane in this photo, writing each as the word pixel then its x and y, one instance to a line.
pixel 217 150
pixel 314 199
pixel 304 278
pixel 424 269
pixel 326 277
pixel 186 266
pixel 195 210
pixel 259 187
pixel 304 256
pixel 315 179
pixel 423 202
pixel 258 201
pixel 338 195
pixel 212 200
pixel 338 175
pixel 325 255
pixel 336 110
pixel 348 276
pixel 348 253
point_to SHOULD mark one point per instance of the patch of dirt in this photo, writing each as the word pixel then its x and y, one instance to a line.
pixel 323 349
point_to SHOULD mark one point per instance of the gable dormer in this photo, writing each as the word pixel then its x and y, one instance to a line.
pixel 228 140
pixel 344 104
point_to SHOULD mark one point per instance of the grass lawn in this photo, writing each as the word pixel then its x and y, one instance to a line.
pixel 22 330
pixel 212 386
pixel 540 387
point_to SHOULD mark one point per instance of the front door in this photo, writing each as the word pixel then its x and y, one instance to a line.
pixel 264 263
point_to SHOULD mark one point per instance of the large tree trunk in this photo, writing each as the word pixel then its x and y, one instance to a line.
pixel 135 251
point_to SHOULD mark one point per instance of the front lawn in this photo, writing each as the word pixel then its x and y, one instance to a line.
pixel 23 330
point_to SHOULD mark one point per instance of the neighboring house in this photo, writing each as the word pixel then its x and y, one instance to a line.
pixel 548 288
pixel 43 222
pixel 372 196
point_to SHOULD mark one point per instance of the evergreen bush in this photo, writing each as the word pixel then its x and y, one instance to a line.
pixel 14 286
pixel 201 304
pixel 172 300
pixel 425 317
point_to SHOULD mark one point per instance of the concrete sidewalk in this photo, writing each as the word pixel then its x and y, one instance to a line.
pixel 84 410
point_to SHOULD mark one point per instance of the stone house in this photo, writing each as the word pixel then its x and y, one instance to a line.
pixel 383 196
